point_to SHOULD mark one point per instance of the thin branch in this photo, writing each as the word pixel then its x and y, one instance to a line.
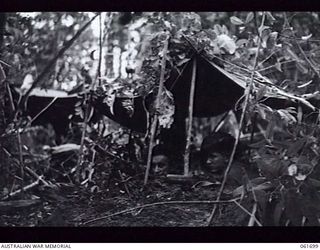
pixel 98 75
pixel 246 102
pixel 21 161
pixel 88 106
pixel 155 119
pixel 26 188
pixel 267 58
pixel 39 177
pixel 252 215
pixel 10 97
pixel 28 170
pixel 274 66
pixel 191 102
pixel 300 39
pixel 4 63
pixel 44 109
pixel 180 73
pixel 232 64
pixel 156 204
pixel 86 115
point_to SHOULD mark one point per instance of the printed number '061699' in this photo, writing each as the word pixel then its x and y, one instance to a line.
pixel 309 245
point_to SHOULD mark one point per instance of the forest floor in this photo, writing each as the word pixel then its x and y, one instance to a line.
pixel 119 199
pixel 114 206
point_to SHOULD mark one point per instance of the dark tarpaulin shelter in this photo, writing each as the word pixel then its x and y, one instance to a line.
pixel 216 91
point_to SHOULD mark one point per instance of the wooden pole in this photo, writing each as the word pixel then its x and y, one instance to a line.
pixel 155 119
pixel 191 103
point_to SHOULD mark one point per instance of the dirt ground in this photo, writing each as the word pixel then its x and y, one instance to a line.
pixel 74 206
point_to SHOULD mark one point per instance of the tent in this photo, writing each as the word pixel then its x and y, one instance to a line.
pixel 217 90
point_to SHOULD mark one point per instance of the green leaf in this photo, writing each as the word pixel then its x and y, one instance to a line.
pixel 205 184
pixel 270 128
pixel 305 38
pixel 293 207
pixel 271 42
pixel 65 148
pixel 218 29
pixel 256 187
pixel 2 74
pixel 227 43
pixel 296 147
pixel 242 43
pixel 314 182
pixel 277 213
pixel 166 109
pixel 262 200
pixel 269 166
pixel 287 116
pixel 91 113
pixel 81 113
pixel 270 16
pixel 261 92
pixel 249 17
pixel 224 30
pixel 261 29
pixel 278 66
pixel 291 54
pixel 236 21
pixel 94 189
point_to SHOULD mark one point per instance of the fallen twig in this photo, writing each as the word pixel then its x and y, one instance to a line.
pixel 28 170
pixel 252 215
pixel 26 188
pixel 156 204
pixel 39 177
pixel 124 183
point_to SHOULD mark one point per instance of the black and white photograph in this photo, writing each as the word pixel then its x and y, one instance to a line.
pixel 160 119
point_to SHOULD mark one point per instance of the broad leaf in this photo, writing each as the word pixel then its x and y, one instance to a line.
pixel 249 17
pixel 227 43
pixel 65 148
pixel 236 20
